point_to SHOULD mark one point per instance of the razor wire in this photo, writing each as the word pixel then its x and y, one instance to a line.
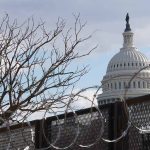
pixel 62 126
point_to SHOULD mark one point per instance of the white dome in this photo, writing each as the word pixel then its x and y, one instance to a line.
pixel 127 70
pixel 127 58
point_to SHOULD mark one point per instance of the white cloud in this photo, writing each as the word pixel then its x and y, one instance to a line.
pixel 83 103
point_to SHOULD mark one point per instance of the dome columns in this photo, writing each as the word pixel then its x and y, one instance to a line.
pixel 127 39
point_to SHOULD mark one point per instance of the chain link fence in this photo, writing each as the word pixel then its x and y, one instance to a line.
pixel 85 129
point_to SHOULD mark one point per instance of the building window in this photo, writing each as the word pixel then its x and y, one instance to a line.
pixel 134 86
pixel 129 85
pixel 124 84
pixel 115 85
pixel 119 85
pixel 143 84
pixel 139 84
pixel 148 85
pixel 111 86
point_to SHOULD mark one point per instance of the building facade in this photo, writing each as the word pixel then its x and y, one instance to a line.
pixel 128 72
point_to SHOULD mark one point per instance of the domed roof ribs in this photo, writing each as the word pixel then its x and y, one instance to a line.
pixel 127 23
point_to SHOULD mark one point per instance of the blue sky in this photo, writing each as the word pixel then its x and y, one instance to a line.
pixel 107 18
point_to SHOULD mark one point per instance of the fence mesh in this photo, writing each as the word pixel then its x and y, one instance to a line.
pixel 83 130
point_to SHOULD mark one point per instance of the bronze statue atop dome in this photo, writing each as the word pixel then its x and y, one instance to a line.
pixel 127 23
pixel 127 18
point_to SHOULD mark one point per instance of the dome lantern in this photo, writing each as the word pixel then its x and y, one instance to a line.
pixel 127 35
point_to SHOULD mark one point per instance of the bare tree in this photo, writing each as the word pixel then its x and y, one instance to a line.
pixel 34 72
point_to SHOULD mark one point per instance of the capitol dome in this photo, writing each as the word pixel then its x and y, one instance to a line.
pixel 128 72
pixel 126 58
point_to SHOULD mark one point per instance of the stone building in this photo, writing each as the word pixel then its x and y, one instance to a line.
pixel 128 74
